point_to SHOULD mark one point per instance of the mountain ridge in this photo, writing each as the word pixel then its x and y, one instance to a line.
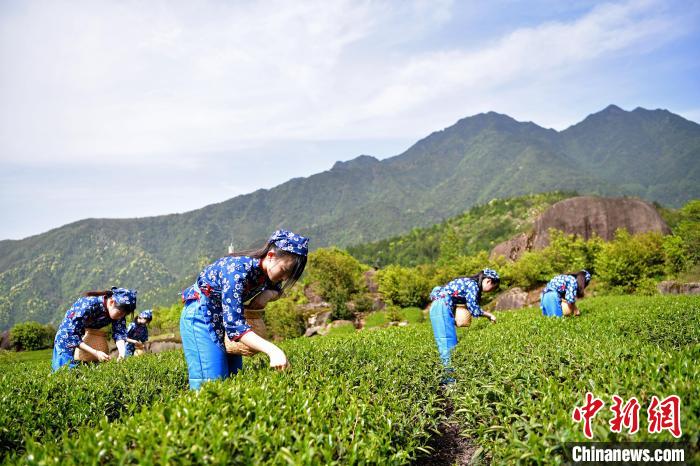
pixel 653 154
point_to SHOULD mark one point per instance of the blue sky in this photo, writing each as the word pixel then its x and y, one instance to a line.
pixel 131 109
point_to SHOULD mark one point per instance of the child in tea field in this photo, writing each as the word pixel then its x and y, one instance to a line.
pixel 137 332
pixel 214 305
pixel 562 291
pixel 459 291
pixel 94 310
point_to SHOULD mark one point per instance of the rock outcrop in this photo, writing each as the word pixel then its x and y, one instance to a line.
pixel 671 287
pixel 585 217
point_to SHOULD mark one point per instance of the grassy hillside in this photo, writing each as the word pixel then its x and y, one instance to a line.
pixel 478 229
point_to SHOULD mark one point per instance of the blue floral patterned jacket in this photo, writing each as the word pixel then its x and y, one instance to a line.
pixel 460 291
pixel 565 285
pixel 227 284
pixel 136 332
pixel 87 312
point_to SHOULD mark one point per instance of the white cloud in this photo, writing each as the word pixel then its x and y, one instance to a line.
pixel 163 87
pixel 122 80
pixel 522 59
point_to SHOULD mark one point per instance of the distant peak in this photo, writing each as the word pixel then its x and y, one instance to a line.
pixel 612 108
pixel 486 119
pixel 361 161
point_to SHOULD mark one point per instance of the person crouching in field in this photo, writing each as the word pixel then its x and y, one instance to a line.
pixel 137 332
pixel 214 305
pixel 94 310
pixel 445 298
pixel 559 296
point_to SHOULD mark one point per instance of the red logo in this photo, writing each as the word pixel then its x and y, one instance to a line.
pixel 626 416
pixel 587 413
pixel 665 415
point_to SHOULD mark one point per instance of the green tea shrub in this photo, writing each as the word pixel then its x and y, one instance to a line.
pixel 367 398
pixel 36 404
pixel 515 396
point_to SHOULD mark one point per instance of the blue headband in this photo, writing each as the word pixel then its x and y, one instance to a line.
pixel 492 274
pixel 290 242
pixel 147 314
pixel 124 296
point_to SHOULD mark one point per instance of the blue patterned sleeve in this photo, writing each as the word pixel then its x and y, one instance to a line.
pixel 470 297
pixel 144 336
pixel 119 329
pixel 73 326
pixel 231 303
pixel 130 330
pixel 571 287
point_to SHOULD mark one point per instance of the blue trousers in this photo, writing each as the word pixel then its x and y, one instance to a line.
pixel 205 359
pixel 62 358
pixel 550 303
pixel 444 329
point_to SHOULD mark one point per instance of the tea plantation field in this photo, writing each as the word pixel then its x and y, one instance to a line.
pixel 372 397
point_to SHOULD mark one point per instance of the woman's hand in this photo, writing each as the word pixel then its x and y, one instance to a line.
pixel 278 359
pixel 102 356
pixel 492 318
pixel 255 342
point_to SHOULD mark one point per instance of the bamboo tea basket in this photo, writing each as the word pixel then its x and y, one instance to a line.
pixel 254 318
pixel 97 339
pixel 463 318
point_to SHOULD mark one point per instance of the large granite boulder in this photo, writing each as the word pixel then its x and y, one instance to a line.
pixel 585 217
pixel 5 340
pixel 514 298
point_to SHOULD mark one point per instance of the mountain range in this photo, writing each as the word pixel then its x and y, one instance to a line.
pixel 653 154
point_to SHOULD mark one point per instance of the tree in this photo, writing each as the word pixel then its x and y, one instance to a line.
pixel 338 276
pixel 403 286
pixel 29 336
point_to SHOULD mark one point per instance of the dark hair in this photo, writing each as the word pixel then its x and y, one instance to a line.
pixel 128 308
pixel 580 281
pixel 478 278
pixel 298 260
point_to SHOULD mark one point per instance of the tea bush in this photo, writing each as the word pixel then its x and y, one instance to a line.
pixel 363 399
pixel 36 404
pixel 519 381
